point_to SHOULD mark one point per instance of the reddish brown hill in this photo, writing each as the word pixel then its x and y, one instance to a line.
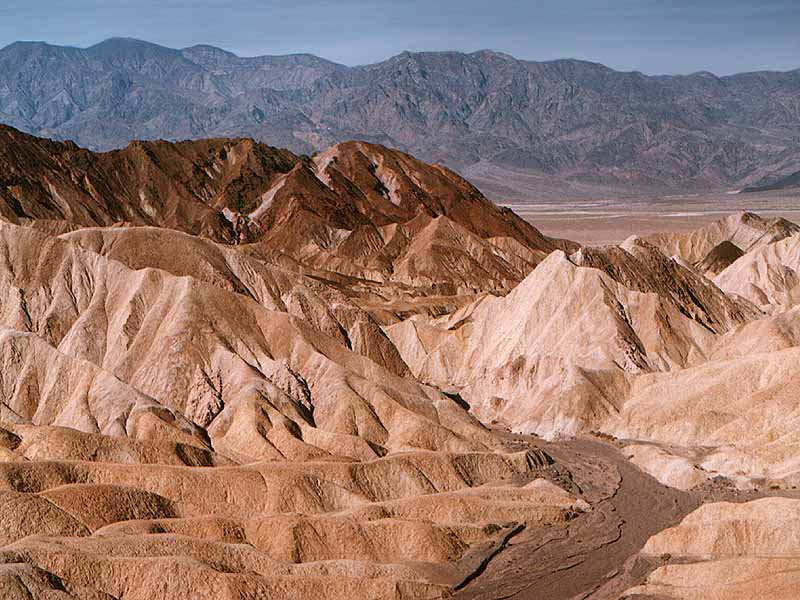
pixel 396 187
pixel 720 258
pixel 182 186
pixel 357 209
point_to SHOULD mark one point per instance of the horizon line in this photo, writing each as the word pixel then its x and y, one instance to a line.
pixel 701 72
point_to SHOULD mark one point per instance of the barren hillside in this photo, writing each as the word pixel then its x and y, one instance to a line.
pixel 228 371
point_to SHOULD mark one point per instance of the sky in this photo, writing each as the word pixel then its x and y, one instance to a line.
pixel 652 36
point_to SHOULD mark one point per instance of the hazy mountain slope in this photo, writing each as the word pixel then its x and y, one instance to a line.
pixel 485 110
pixel 789 182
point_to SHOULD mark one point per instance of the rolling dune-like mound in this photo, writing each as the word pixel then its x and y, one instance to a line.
pixel 740 412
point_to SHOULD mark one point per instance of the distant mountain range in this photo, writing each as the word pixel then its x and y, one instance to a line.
pixel 513 127
pixel 788 182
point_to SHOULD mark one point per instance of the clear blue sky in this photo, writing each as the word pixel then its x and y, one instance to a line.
pixel 654 36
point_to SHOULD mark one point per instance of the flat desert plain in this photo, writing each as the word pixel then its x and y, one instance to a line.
pixel 612 220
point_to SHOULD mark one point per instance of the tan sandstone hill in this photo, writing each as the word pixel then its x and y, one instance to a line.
pixel 116 381
pixel 746 231
pixel 558 354
pixel 359 210
pixel 231 416
pixel 767 276
pixel 228 371
pixel 727 551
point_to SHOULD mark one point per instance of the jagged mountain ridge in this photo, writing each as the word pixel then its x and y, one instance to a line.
pixel 473 112
pixel 357 210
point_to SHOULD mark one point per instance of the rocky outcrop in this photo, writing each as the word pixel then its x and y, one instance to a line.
pixel 746 231
pixel 722 256
pixel 769 276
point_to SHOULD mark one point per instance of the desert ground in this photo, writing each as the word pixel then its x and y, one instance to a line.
pixel 612 220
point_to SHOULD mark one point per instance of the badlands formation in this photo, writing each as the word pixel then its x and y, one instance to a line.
pixel 229 371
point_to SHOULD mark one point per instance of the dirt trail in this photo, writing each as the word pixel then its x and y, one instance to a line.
pixel 596 557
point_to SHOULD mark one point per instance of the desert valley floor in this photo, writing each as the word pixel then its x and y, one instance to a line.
pixel 611 220
pixel 228 371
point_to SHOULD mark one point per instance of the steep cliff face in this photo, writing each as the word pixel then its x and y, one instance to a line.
pixel 789 182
